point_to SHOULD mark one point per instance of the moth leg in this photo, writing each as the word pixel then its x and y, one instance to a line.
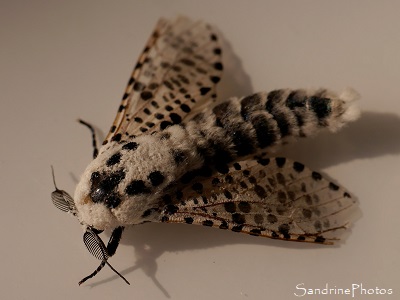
pixel 94 143
pixel 114 241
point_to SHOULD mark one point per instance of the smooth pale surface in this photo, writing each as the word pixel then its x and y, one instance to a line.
pixel 60 60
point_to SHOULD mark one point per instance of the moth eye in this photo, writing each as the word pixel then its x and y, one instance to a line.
pixel 98 195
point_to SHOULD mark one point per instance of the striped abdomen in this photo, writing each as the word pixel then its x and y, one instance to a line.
pixel 239 127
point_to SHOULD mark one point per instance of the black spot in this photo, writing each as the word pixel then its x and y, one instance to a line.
pixel 171 209
pixel 138 120
pixel 153 85
pixel 321 106
pixel 263 161
pixel 165 124
pixel 175 118
pixel 281 209
pixel 274 235
pixel 138 86
pixel 258 218
pixel 188 220
pixel 184 79
pixel 185 108
pixel 228 178
pixel 238 218
pixel 280 178
pixel 319 239
pixel 308 199
pixel 102 187
pixel 168 85
pixel 136 187
pixel 237 228
pixel 95 177
pixel 215 79
pixel 237 166
pixel 176 68
pixel 114 159
pixel 215 181
pixel 318 225
pixel 116 138
pixel 187 62
pixel 197 187
pixel 156 178
pixel 167 199
pixel 244 206
pixel 281 196
pixel 121 108
pixel 301 238
pixel 255 232
pixel 346 195
pixel 147 111
pixel 252 180
pixel 333 186
pixel 284 229
pixel 307 213
pixel 131 80
pixel 246 173
pixel 316 176
pixel 224 225
pixel 272 219
pixel 217 51
pixel 298 167
pixel 213 37
pixel 130 146
pixel 280 161
pixel 230 207
pixel 222 168
pixel 260 191
pixel 179 156
pixel 159 116
pixel 218 66
pixel 204 90
pixel 147 212
pixel 228 194
pixel 112 201
pixel 125 96
pixel 112 129
pixel 208 223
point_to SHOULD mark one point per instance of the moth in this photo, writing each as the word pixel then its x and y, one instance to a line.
pixel 176 155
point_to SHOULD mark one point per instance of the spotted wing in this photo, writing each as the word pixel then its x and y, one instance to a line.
pixel 275 198
pixel 177 71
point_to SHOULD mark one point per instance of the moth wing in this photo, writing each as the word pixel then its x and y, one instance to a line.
pixel 176 72
pixel 275 198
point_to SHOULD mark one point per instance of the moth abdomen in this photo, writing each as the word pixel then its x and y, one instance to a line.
pixel 239 127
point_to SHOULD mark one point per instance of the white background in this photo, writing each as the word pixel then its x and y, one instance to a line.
pixel 60 60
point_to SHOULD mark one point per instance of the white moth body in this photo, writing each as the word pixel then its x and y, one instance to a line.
pixel 174 154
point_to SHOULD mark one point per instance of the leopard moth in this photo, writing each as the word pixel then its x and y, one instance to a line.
pixel 176 155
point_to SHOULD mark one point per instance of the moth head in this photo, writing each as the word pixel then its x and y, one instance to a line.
pixel 63 201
